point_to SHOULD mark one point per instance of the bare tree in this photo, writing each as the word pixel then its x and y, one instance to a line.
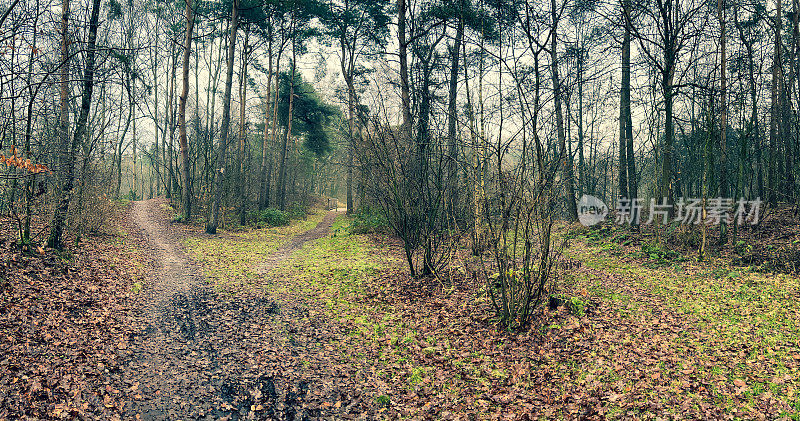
pixel 59 218
pixel 187 52
pixel 219 169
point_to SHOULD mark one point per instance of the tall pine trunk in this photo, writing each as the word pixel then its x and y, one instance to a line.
pixel 624 107
pixel 723 120
pixel 774 112
pixel 242 196
pixel 262 191
pixel 187 52
pixel 348 68
pixel 219 170
pixel 405 95
pixel 667 75
pixel 285 146
pixel 452 115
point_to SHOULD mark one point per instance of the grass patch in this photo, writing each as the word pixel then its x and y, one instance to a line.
pixel 231 261
pixel 748 319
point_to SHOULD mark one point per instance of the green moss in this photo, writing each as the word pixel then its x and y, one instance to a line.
pixel 729 308
pixel 232 261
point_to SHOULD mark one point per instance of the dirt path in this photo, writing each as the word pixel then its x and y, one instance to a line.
pixel 283 253
pixel 196 354
pixel 175 274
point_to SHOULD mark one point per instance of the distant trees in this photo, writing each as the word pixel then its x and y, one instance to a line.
pixel 219 168
pixel 451 125
pixel 357 28
pixel 184 143
pixel 665 29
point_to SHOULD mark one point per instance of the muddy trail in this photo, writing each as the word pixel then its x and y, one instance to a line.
pixel 198 354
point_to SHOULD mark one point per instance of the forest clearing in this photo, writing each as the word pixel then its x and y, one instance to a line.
pixel 399 209
pixel 336 328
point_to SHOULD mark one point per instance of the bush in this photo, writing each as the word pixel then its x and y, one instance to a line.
pixel 368 220
pixel 742 248
pixel 269 217
pixel 659 254
pixel 576 306
pixel 296 211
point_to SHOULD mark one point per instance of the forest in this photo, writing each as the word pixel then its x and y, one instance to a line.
pixel 399 209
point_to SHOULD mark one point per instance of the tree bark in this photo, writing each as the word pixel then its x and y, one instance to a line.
pixel 187 52
pixel 59 218
pixel 452 115
pixel 219 171
pixel 262 191
pixel 624 105
pixel 275 131
pixel 171 117
pixel 64 85
pixel 242 144
pixel 723 119
pixel 347 64
pixel 775 111
pixel 665 187
pixel 405 95
pixel 285 146
pixel 566 158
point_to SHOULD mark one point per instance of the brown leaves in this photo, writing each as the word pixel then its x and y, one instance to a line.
pixel 24 164
pixel 60 321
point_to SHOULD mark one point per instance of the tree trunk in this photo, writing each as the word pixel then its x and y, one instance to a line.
pixel 348 67
pixel 624 106
pixel 665 187
pixel 775 112
pixel 581 162
pixel 452 115
pixel 793 147
pixel 285 146
pixel 30 183
pixel 121 148
pixel 275 131
pixel 64 85
pixel 59 218
pixel 155 68
pixel 171 111
pixel 187 52
pixel 723 120
pixel 219 171
pixel 405 95
pixel 262 191
pixel 566 159
pixel 242 144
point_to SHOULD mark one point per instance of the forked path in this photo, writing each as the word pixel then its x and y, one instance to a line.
pixel 283 252
pixel 196 354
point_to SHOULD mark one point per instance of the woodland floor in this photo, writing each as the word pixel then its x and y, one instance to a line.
pixel 161 321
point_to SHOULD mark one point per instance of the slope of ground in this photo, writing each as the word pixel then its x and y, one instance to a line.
pixel 308 321
pixel 644 340
pixel 200 352
pixel 64 327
